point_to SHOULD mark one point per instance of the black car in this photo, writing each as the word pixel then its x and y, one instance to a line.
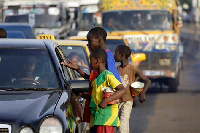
pixel 37 93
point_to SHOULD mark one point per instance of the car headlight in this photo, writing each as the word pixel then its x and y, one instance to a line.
pixel 51 125
pixel 26 130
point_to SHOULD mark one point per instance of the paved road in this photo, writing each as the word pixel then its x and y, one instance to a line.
pixel 165 112
pixel 188 31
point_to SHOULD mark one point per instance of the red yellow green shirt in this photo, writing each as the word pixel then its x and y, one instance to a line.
pixel 109 115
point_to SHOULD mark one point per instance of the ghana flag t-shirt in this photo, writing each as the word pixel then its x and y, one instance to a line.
pixel 109 115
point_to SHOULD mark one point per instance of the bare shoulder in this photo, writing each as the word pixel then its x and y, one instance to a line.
pixel 133 67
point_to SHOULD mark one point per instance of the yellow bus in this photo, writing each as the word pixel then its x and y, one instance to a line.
pixel 150 27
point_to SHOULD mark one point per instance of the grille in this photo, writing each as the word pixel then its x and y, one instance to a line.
pixel 5 128
pixel 152 61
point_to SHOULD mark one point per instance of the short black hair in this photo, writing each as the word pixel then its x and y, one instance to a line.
pixel 98 33
pixel 125 50
pixel 3 33
pixel 99 54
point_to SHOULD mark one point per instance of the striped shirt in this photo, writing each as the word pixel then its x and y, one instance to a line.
pixel 109 115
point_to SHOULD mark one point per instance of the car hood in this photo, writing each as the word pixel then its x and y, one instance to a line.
pixel 26 106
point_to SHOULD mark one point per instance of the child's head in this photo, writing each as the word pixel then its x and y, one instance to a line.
pixel 122 52
pixel 74 57
pixel 96 38
pixel 98 57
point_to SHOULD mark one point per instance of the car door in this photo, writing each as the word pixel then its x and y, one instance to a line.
pixel 70 75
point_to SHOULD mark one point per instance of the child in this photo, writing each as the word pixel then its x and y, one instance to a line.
pixel 103 118
pixel 128 74
pixel 96 39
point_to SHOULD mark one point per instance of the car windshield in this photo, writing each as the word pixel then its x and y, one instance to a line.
pixel 78 55
pixel 113 43
pixel 17 19
pixel 15 34
pixel 137 20
pixel 26 69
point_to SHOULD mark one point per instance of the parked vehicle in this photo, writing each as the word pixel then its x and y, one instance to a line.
pixel 37 93
pixel 46 17
pixel 18 30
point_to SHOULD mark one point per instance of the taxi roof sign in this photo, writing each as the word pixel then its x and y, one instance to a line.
pixel 44 36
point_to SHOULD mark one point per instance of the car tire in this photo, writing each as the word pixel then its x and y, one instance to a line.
pixel 134 103
pixel 173 85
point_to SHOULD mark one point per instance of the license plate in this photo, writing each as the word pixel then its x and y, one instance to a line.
pixel 153 73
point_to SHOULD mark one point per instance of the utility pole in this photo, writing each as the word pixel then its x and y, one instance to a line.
pixel 196 20
pixel 1 11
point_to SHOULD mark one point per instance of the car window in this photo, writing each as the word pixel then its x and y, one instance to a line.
pixel 68 73
pixel 27 68
pixel 78 55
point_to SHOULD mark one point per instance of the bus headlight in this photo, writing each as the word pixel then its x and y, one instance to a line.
pixel 51 125
pixel 160 46
pixel 173 47
pixel 26 130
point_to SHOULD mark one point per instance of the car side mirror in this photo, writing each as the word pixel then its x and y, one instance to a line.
pixel 139 57
pixel 79 86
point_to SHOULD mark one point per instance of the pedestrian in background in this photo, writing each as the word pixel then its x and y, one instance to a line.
pixel 128 74
pixel 3 33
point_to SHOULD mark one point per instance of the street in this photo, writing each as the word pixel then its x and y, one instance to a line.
pixel 165 112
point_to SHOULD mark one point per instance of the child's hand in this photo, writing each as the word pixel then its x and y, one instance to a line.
pixel 103 104
pixel 70 65
pixel 142 97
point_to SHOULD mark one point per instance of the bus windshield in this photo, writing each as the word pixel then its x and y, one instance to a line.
pixel 89 17
pixel 47 21
pixel 87 22
pixel 137 20
pixel 41 21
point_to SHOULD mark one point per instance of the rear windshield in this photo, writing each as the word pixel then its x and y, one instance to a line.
pixel 112 44
pixel 26 69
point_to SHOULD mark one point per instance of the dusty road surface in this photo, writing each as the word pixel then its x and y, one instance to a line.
pixel 165 112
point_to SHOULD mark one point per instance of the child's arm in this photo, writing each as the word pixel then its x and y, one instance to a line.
pixel 75 67
pixel 147 83
pixel 120 91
